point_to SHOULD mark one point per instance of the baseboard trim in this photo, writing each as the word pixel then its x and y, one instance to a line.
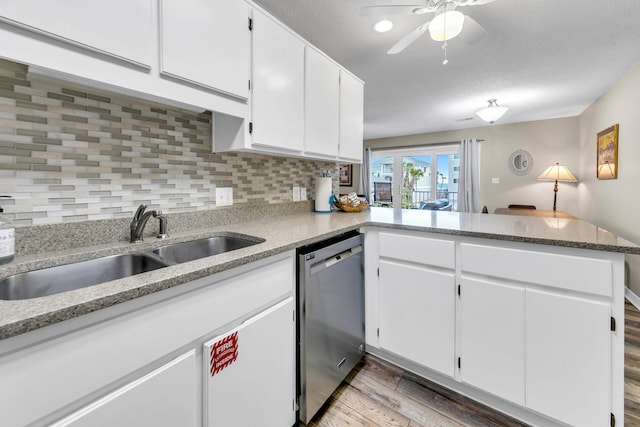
pixel 632 297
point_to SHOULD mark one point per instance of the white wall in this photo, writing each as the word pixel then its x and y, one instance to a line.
pixel 548 141
pixel 614 204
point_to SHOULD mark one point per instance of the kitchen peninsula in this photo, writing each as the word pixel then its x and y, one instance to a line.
pixel 528 272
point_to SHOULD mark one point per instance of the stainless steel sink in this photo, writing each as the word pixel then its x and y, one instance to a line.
pixel 196 249
pixel 53 280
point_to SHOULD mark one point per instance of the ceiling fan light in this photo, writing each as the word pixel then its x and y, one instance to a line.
pixel 446 25
pixel 492 112
pixel 383 26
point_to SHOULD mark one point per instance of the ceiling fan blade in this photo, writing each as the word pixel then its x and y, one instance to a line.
pixel 406 9
pixel 471 31
pixel 472 2
pixel 408 39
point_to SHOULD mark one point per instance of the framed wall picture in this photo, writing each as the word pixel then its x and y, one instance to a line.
pixel 607 153
pixel 346 175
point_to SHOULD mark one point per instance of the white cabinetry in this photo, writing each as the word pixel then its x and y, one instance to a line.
pixel 550 312
pixel 164 397
pixel 115 46
pixel 118 28
pixel 322 102
pixel 417 300
pixel 492 338
pixel 277 85
pixel 303 104
pixel 351 117
pixel 207 43
pixel 256 386
pixel 333 110
pixel 568 358
pixel 109 359
pixel 529 327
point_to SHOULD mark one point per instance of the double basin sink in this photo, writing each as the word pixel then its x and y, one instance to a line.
pixel 54 280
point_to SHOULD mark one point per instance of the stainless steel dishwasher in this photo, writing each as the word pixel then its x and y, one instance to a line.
pixel 331 317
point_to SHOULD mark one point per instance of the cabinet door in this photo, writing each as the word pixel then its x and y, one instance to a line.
pixel 351 117
pixel 117 28
pixel 250 372
pixel 492 338
pixel 277 100
pixel 206 42
pixel 322 99
pixel 417 315
pixel 568 358
pixel 164 397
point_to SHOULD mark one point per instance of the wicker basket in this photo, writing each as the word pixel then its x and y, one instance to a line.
pixel 348 208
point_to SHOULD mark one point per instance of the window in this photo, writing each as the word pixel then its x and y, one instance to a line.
pixel 416 178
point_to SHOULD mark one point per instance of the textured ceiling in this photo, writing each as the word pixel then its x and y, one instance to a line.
pixel 542 58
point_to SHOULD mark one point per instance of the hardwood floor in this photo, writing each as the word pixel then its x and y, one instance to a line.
pixel 380 394
pixel 631 365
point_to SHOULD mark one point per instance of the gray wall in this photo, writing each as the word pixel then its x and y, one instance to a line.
pixel 614 204
pixel 548 141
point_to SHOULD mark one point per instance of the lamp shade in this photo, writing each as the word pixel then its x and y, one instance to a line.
pixel 492 112
pixel 446 25
pixel 557 172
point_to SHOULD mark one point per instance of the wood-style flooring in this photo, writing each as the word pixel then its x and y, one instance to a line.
pixel 631 366
pixel 378 393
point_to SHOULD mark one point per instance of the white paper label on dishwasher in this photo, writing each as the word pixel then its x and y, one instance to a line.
pixel 7 242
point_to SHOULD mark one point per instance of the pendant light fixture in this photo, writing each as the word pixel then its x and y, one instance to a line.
pixel 492 112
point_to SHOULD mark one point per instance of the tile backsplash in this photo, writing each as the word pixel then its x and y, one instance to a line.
pixel 72 153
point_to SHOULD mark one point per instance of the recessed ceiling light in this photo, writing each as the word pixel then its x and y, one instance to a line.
pixel 383 26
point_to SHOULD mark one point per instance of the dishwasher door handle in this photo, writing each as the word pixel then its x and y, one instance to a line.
pixel 335 259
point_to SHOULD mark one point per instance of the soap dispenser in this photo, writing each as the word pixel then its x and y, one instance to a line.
pixel 7 239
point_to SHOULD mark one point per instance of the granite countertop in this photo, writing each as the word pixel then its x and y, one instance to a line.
pixel 281 234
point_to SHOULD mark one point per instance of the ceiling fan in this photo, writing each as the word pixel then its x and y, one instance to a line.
pixel 446 24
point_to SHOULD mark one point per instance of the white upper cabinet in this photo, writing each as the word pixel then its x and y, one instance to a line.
pixel 277 103
pixel 322 102
pixel 116 28
pixel 207 43
pixel 351 117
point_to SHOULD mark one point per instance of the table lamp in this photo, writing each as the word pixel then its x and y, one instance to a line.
pixel 557 173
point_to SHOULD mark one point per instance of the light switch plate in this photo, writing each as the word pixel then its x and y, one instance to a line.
pixel 224 196
pixel 303 193
pixel 296 194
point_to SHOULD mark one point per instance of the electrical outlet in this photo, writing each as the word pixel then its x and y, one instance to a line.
pixel 303 193
pixel 296 194
pixel 224 196
pixel 495 180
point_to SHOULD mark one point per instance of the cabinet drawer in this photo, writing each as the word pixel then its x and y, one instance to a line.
pixel 422 250
pixel 574 273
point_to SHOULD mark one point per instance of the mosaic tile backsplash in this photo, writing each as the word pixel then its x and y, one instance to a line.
pixel 71 153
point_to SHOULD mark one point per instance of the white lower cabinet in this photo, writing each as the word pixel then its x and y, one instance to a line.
pixel 250 380
pixel 492 338
pixel 529 330
pixel 139 363
pixel 164 397
pixel 568 358
pixel 417 314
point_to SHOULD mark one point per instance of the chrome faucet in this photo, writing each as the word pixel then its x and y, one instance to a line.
pixel 139 221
